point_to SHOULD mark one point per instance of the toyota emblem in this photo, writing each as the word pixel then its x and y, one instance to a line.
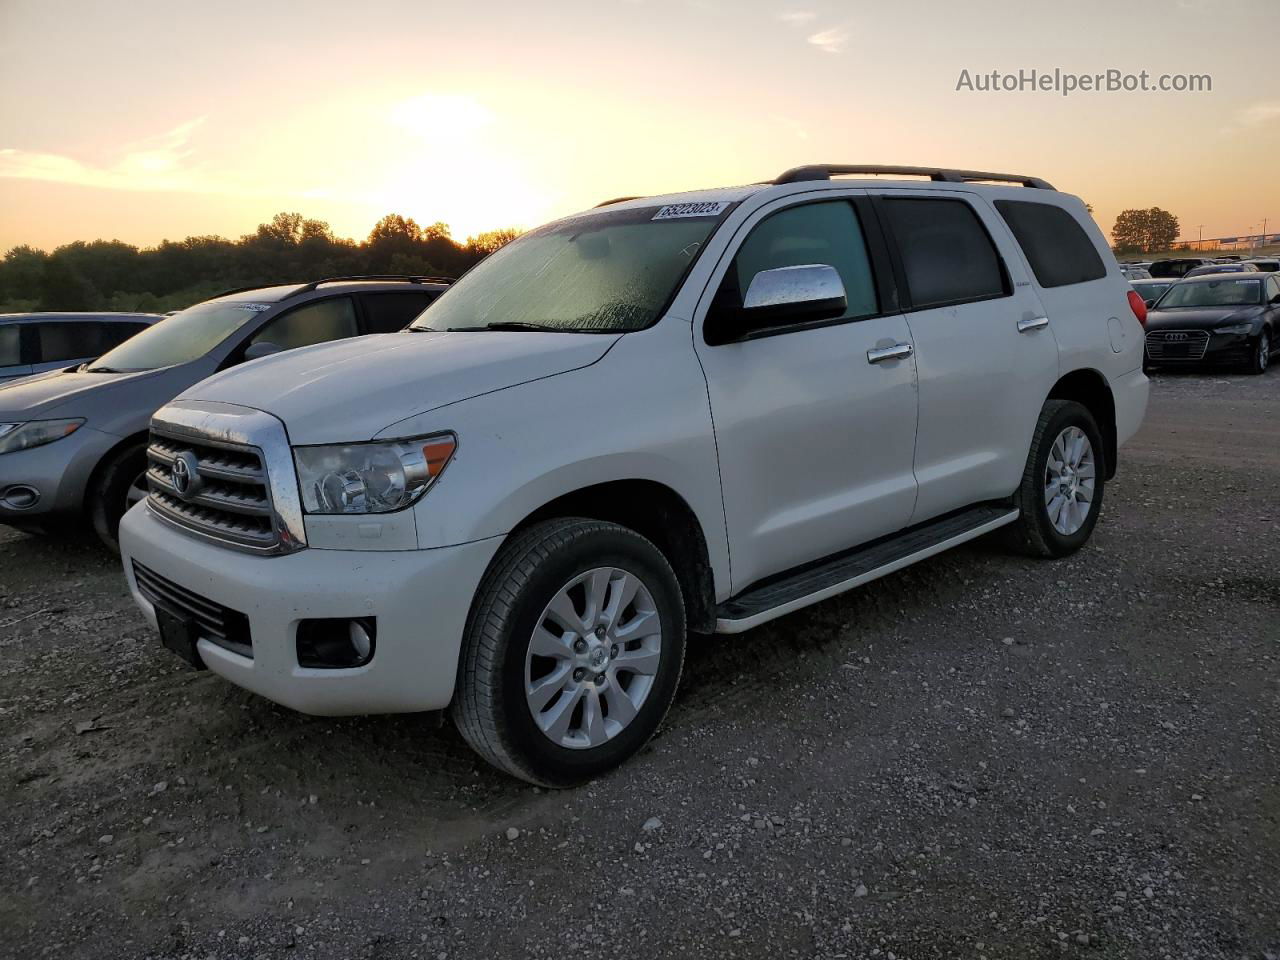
pixel 185 474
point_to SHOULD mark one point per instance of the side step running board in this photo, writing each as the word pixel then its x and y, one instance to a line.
pixel 848 570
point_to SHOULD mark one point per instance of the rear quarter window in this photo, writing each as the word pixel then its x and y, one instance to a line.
pixel 1056 246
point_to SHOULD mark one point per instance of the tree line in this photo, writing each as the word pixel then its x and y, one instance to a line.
pixel 111 275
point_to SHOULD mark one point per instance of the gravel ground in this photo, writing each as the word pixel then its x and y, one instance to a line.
pixel 982 756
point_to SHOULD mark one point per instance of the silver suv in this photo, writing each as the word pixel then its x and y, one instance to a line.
pixel 73 441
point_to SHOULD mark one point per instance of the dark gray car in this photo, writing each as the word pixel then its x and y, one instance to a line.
pixel 37 342
pixel 73 441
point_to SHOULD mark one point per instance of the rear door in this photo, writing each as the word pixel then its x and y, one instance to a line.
pixel 12 362
pixel 815 440
pixel 985 354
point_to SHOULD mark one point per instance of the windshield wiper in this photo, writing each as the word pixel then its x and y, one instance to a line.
pixel 506 325
pixel 102 370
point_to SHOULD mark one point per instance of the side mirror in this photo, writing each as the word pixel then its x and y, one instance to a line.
pixel 1150 303
pixel 263 348
pixel 1276 298
pixel 812 291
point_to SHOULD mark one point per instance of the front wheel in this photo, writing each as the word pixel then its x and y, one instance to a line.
pixel 573 651
pixel 1062 484
pixel 1260 359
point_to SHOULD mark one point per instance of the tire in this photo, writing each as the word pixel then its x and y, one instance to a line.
pixel 500 664
pixel 1037 530
pixel 114 491
pixel 1260 359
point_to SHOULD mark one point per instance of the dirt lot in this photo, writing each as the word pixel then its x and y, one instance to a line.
pixel 979 757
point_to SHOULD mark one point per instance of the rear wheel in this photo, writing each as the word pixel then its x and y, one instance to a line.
pixel 1062 484
pixel 573 652
pixel 1260 359
pixel 121 483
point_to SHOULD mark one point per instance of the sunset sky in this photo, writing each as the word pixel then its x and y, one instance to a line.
pixel 150 119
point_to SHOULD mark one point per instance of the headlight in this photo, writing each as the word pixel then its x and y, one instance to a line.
pixel 1235 328
pixel 35 433
pixel 370 477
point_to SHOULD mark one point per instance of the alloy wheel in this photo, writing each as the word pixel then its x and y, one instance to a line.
pixel 1070 477
pixel 593 658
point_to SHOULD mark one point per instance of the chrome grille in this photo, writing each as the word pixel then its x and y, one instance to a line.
pixel 218 624
pixel 1177 344
pixel 229 496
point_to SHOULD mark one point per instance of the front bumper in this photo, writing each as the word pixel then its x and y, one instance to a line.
pixel 419 598
pixel 58 471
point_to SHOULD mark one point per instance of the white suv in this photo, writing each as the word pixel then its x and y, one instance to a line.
pixel 691 413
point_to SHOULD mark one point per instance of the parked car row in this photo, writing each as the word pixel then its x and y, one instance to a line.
pixel 1178 267
pixel 695 412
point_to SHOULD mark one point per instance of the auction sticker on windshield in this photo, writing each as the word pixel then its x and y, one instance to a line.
pixel 707 208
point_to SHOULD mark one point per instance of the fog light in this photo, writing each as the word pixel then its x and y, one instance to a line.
pixel 336 643
pixel 20 497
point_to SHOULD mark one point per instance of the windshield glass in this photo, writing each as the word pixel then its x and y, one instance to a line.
pixel 181 338
pixel 605 272
pixel 1213 293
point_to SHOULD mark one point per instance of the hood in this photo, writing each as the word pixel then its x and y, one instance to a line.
pixel 61 393
pixel 1200 318
pixel 348 390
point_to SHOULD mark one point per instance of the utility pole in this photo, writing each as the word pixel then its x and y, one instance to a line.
pixel 1200 242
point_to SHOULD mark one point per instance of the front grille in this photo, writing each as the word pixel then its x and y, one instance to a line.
pixel 1177 344
pixel 227 628
pixel 227 497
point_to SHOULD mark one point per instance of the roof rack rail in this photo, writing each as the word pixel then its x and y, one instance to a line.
pixel 254 286
pixel 825 171
pixel 609 203
pixel 308 287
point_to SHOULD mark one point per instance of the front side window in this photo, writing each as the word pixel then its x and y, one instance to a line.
pixel 946 253
pixel 1212 293
pixel 825 233
pixel 184 337
pixel 68 340
pixel 389 312
pixel 609 271
pixel 1056 246
pixel 10 344
pixel 333 319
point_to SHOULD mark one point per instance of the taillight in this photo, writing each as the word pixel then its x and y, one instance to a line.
pixel 1139 307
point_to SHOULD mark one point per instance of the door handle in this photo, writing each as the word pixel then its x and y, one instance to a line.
pixel 899 351
pixel 1027 324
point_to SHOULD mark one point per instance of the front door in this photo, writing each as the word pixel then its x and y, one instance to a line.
pixel 815 439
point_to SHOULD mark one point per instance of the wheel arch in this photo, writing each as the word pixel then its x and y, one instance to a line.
pixel 1090 388
pixel 134 439
pixel 659 514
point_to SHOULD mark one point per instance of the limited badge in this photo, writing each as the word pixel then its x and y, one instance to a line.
pixel 706 208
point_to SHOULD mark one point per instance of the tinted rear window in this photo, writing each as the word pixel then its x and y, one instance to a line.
pixel 1058 249
pixel 946 252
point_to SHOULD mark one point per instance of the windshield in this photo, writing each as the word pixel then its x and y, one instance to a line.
pixel 1213 293
pixel 184 337
pixel 606 272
